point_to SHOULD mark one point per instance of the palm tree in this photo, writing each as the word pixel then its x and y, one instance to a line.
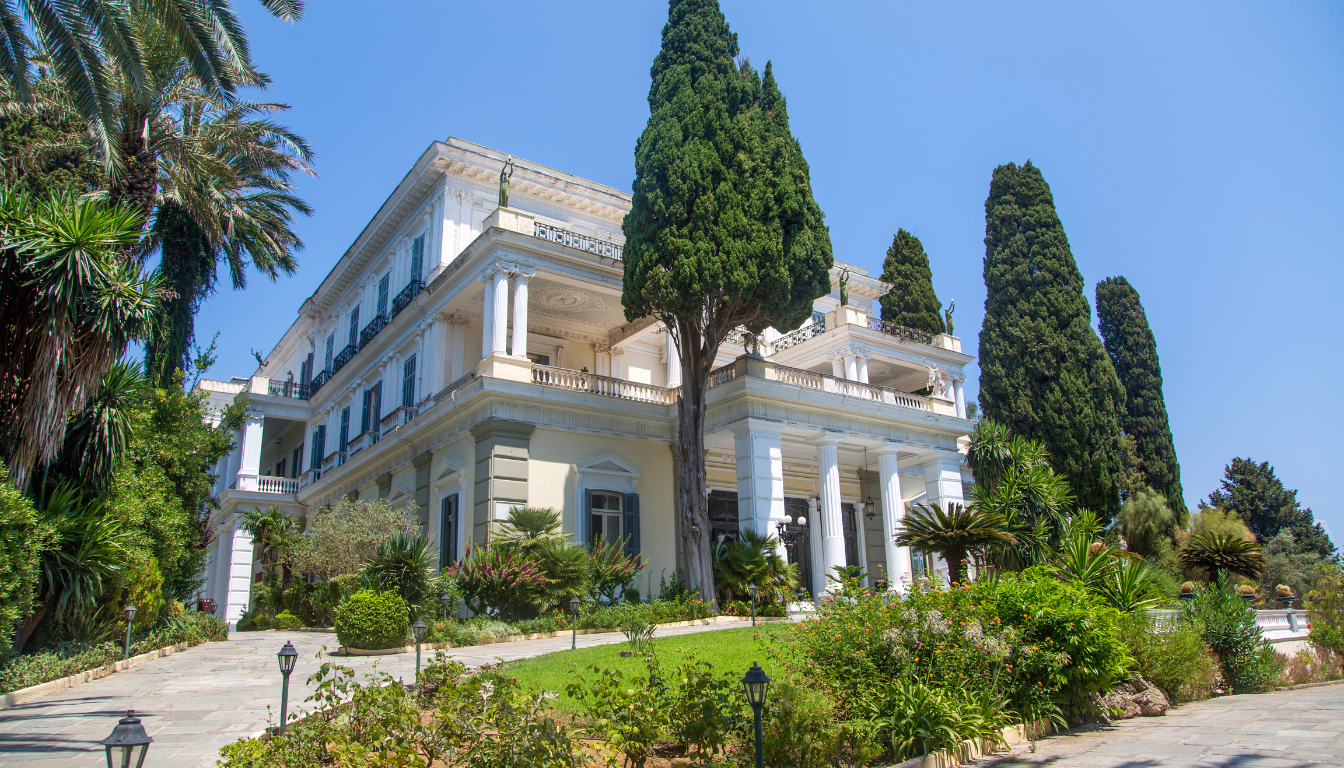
pixel 275 532
pixel 1219 554
pixel 753 558
pixel 69 307
pixel 94 45
pixel 89 546
pixel 954 533
pixel 96 439
pixel 1013 478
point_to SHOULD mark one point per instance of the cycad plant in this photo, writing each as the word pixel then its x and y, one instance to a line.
pixel 954 533
pixel 537 534
pixel 1220 554
pixel 404 565
pixel 753 558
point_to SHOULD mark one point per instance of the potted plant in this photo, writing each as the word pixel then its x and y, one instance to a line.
pixel 1187 591
pixel 1284 593
pixel 1247 592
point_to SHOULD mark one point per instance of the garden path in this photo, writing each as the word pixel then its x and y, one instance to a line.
pixel 1274 730
pixel 198 700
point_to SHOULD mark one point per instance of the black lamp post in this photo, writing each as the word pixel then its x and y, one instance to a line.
pixel 130 616
pixel 574 608
pixel 757 684
pixel 418 629
pixel 287 656
pixel 446 598
pixel 127 745
pixel 752 589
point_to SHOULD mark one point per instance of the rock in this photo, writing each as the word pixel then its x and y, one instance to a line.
pixel 1133 698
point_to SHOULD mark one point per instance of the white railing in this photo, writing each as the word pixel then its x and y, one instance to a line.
pixel 814 380
pixel 267 484
pixel 578 381
pixel 226 387
pixel 722 375
pixel 444 393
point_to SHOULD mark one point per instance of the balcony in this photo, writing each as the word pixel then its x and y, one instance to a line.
pixel 332 461
pixel 563 378
pixel 310 389
pixel 798 337
pixel 399 416
pixel 343 357
pixel 377 324
pixel 408 293
pixel 291 389
pixel 901 332
pixel 267 484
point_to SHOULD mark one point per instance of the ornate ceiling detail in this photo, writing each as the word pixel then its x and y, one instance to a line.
pixel 564 299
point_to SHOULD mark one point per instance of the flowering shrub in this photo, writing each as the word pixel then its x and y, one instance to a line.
pixel 499 578
pixel 1026 637
pixel 611 571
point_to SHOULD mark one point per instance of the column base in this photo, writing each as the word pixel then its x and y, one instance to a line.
pixel 502 366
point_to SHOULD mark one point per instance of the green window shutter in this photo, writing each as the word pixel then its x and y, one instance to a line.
pixel 586 518
pixel 631 508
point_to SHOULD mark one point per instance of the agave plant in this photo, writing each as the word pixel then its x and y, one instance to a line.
pixel 1220 554
pixel 954 533
pixel 405 565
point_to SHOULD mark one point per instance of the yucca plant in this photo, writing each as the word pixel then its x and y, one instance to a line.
pixel 1130 586
pixel 954 532
pixel 1220 554
pixel 405 565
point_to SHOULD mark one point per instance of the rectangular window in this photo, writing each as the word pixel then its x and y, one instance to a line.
pixel 448 525
pixel 354 327
pixel 417 257
pixel 382 293
pixel 538 358
pixel 373 404
pixel 331 352
pixel 306 370
pixel 319 445
pixel 345 428
pixel 296 466
pixel 408 382
pixel 605 525
pixel 366 412
pixel 280 468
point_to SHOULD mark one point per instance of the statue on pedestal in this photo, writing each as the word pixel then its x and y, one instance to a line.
pixel 947 315
pixel 505 174
pixel 844 288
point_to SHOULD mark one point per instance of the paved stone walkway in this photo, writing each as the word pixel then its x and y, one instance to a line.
pixel 198 700
pixel 1274 730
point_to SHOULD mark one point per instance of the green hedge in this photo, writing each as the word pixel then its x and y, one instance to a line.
pixel 69 658
pixel 287 620
pixel 473 631
pixel 372 621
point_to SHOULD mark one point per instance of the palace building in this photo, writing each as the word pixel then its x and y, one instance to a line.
pixel 462 358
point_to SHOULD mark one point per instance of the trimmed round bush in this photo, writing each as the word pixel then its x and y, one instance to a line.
pixel 287 620
pixel 373 621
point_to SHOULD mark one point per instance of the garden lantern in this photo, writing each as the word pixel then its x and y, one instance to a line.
pixel 446 598
pixel 127 745
pixel 757 684
pixel 752 589
pixel 418 629
pixel 574 608
pixel 287 656
pixel 130 616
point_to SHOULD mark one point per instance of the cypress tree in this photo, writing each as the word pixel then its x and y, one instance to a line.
pixel 911 301
pixel 1133 351
pixel 1043 371
pixel 723 229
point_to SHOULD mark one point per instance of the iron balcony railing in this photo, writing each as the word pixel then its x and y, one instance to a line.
pixel 375 325
pixel 797 337
pixel 343 357
pixel 290 388
pixel 310 389
pixel 407 294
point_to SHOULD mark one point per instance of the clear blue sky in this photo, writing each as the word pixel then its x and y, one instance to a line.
pixel 1195 148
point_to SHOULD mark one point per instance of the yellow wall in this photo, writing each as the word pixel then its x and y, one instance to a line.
pixel 551 483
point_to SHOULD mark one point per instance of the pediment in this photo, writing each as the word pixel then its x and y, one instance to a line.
pixel 610 464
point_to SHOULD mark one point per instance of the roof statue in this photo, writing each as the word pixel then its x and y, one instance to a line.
pixel 505 174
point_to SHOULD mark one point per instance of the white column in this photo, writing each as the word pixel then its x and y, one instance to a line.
pixel 960 396
pixel 832 531
pixel 424 360
pixel 851 368
pixel 838 367
pixel 391 387
pixel 602 359
pixel 616 353
pixel 488 316
pixel 862 364
pixel 673 360
pixel 520 312
pixel 219 587
pixel 760 476
pixel 457 355
pixel 239 574
pixel 815 542
pixel 249 444
pixel 500 319
pixel 232 461
pixel 434 248
pixel 436 357
pixel 861 533
pixel 942 483
pixel 893 517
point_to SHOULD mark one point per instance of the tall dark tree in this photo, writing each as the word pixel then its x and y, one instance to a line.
pixel 1133 352
pixel 911 301
pixel 1253 493
pixel 1043 371
pixel 722 231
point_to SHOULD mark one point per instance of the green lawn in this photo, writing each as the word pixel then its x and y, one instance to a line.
pixel 732 650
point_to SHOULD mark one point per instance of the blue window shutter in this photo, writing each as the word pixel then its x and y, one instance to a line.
pixel 448 532
pixel 368 409
pixel 417 257
pixel 586 518
pixel 632 524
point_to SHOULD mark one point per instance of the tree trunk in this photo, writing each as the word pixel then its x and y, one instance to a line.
pixel 29 624
pixel 138 185
pixel 692 496
pixel 284 585
pixel 956 565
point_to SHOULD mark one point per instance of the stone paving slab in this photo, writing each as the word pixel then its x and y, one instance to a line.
pixel 200 699
pixel 1286 729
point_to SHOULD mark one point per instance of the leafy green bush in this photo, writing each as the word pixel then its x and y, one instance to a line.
pixel 22 539
pixel 299 601
pixel 1173 658
pixel 287 620
pixel 801 729
pixel 253 621
pixel 1227 625
pixel 618 708
pixel 918 719
pixel 373 621
pixel 705 711
pixel 1325 607
pixel 405 565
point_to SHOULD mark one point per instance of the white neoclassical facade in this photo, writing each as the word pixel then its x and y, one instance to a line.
pixel 462 358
